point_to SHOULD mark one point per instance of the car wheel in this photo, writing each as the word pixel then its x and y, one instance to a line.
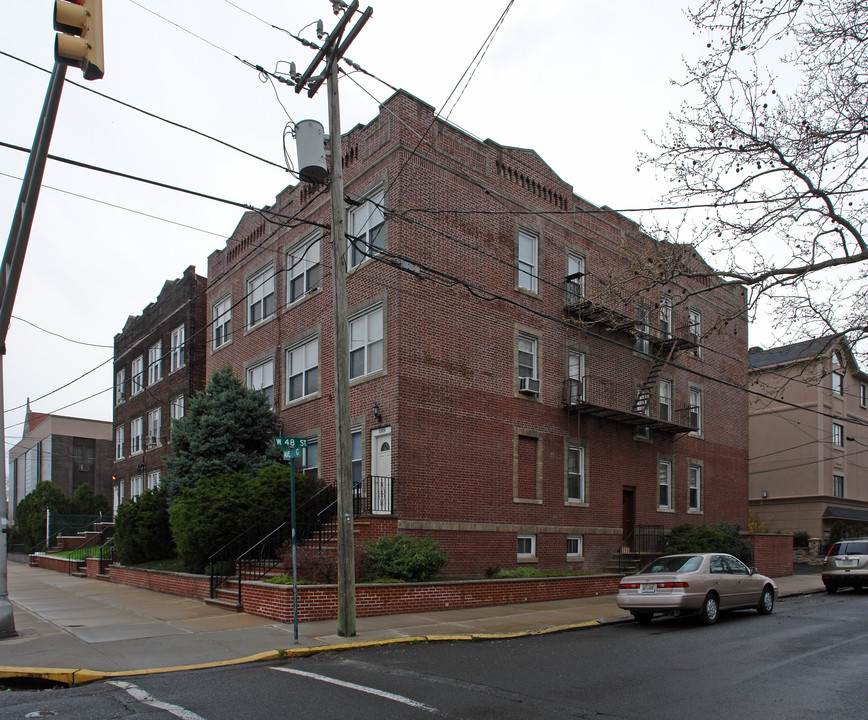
pixel 766 601
pixel 643 618
pixel 710 609
pixel 831 589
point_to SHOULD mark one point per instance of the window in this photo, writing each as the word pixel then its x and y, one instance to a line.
pixel 366 225
pixel 527 356
pixel 694 410
pixel 120 382
pixel 366 344
pixel 665 317
pixel 310 458
pixel 179 347
pixel 576 474
pixel 155 363
pixel 302 370
pixel 641 332
pixel 837 435
pixel 694 330
pixel 176 408
pixel 260 297
pixel 838 486
pixel 527 261
pixel 137 375
pixel 665 400
pixel 837 375
pixel 119 442
pixel 222 317
pixel 664 485
pixel 135 436
pixel 154 422
pixel 694 487
pixel 261 377
pixel 356 440
pixel 574 546
pixel 576 375
pixel 575 277
pixel 153 479
pixel 135 486
pixel 526 546
pixel 863 395
pixel 302 270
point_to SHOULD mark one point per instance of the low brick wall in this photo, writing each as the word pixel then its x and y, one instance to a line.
pixel 320 602
pixel 772 553
pixel 52 562
pixel 196 587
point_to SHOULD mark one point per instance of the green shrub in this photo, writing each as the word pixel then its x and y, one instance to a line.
pixel 800 539
pixel 400 557
pixel 142 531
pixel 841 530
pixel 30 512
pixel 724 538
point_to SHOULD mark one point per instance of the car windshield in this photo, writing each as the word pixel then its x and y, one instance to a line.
pixel 674 563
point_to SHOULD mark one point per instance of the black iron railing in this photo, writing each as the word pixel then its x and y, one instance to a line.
pixel 644 540
pixel 107 555
pixel 90 547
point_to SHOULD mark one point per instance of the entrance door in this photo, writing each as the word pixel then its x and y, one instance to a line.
pixel 381 480
pixel 628 515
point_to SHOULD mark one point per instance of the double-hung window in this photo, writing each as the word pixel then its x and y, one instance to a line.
pixel 120 386
pixel 154 427
pixel 310 458
pixel 694 331
pixel 641 334
pixel 863 395
pixel 260 297
pixel 222 317
pixel 664 484
pixel 527 350
pixel 119 442
pixel 366 343
pixel 665 411
pixel 155 363
pixel 366 227
pixel 136 487
pixel 838 486
pixel 526 546
pixel 576 376
pixel 135 436
pixel 575 278
pixel 176 408
pixel 694 488
pixel 137 369
pixel 153 481
pixel 261 377
pixel 179 346
pixel 302 370
pixel 694 410
pixel 356 443
pixel 665 318
pixel 576 474
pixel 527 260
pixel 837 374
pixel 837 435
pixel 302 270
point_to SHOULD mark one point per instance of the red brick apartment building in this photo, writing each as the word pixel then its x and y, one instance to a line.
pixel 159 362
pixel 516 393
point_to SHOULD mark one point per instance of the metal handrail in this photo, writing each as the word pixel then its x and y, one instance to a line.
pixel 84 551
pixel 642 539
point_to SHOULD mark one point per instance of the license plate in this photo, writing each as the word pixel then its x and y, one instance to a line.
pixel 648 588
pixel 848 562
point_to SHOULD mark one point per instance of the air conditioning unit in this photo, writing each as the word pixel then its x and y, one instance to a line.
pixel 151 441
pixel 528 386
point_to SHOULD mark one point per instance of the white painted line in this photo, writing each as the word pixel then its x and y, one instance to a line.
pixel 360 688
pixel 147 699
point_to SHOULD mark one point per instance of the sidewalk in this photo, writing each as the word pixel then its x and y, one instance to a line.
pixel 76 630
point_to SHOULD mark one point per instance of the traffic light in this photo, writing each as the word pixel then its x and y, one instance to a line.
pixel 79 39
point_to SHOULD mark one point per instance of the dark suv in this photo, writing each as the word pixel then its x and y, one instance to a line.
pixel 846 565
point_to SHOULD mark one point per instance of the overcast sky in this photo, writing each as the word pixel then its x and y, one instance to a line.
pixel 578 81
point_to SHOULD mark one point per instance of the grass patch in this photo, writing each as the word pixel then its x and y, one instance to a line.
pixel 529 572
pixel 285 579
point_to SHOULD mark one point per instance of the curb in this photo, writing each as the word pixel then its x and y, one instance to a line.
pixel 81 676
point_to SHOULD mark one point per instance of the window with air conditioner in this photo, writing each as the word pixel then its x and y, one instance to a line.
pixel 528 379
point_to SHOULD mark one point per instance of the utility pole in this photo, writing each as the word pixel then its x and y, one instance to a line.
pixel 78 42
pixel 332 50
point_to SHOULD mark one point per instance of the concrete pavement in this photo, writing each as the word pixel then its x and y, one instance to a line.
pixel 75 630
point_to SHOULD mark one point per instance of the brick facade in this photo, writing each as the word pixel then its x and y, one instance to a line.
pixel 176 324
pixel 478 461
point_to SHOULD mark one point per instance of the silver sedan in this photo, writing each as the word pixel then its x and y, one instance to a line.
pixel 701 584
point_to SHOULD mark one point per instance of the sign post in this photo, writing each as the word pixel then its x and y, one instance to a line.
pixel 292 448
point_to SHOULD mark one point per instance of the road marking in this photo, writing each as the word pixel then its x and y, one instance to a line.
pixel 360 688
pixel 146 698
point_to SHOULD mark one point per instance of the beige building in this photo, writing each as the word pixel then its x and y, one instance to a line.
pixel 808 437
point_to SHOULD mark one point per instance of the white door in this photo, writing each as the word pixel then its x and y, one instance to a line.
pixel 381 483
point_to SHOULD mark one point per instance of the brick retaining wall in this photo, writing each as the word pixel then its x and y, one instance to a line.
pixel 772 554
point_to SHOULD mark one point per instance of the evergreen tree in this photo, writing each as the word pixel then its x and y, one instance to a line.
pixel 228 428
pixel 30 512
pixel 87 502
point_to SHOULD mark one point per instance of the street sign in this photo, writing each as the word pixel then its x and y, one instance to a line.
pixel 290 454
pixel 290 443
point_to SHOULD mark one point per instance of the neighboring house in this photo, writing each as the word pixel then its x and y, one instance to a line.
pixel 66 451
pixel 808 452
pixel 159 362
pixel 517 392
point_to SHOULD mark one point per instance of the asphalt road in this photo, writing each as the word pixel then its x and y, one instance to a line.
pixel 807 660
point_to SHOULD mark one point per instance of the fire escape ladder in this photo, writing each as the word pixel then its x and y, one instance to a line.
pixel 646 389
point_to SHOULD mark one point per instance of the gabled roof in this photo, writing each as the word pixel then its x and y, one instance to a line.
pixel 805 350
